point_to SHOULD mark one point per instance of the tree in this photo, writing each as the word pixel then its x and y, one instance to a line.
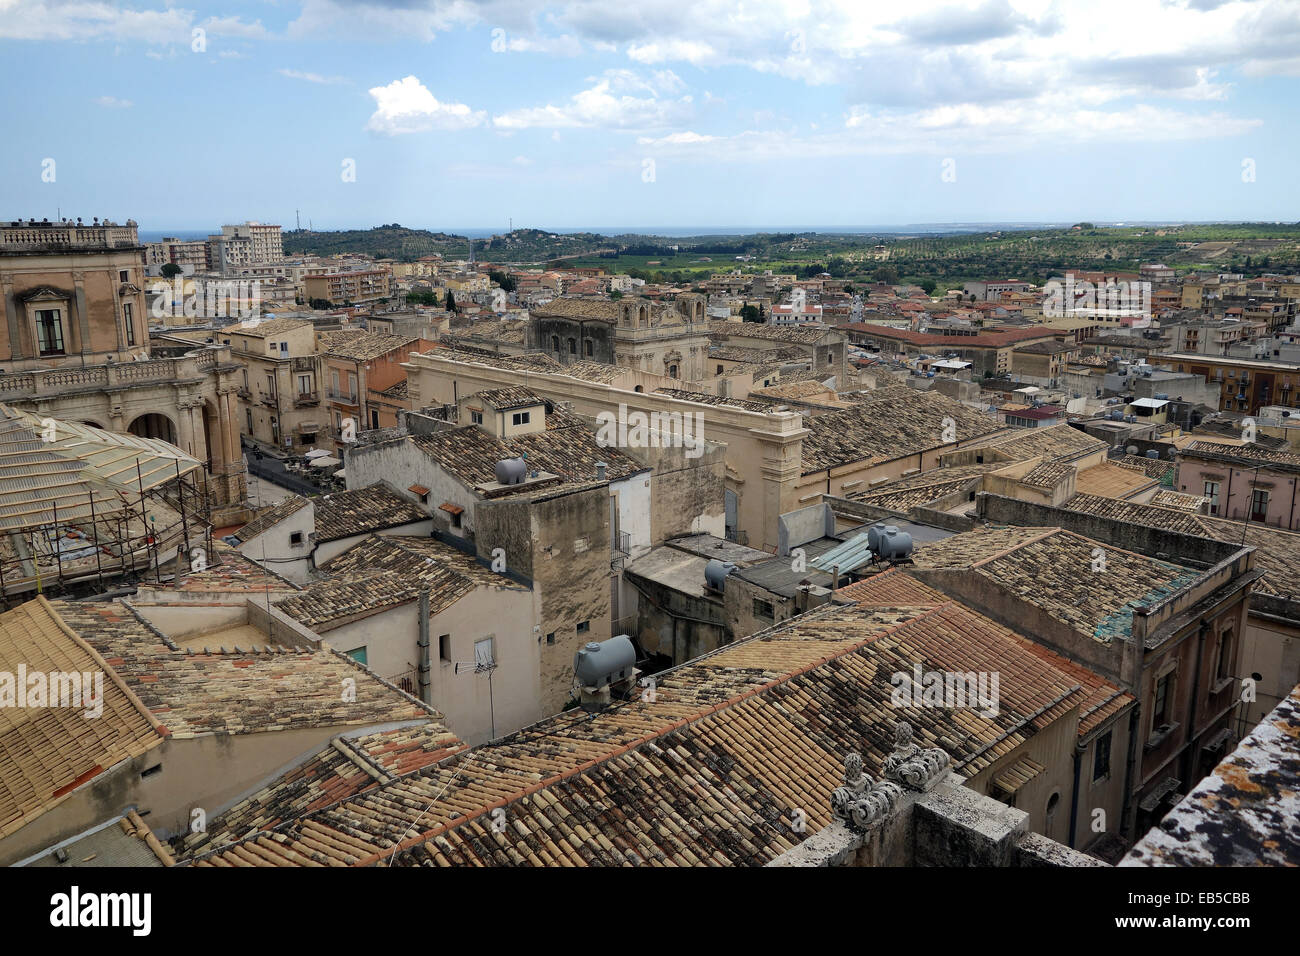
pixel 450 303
pixel 170 270
pixel 321 304
pixel 750 313
pixel 615 294
pixel 886 274
pixel 928 286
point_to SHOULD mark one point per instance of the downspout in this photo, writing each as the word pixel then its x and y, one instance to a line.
pixel 1074 796
pixel 425 687
pixel 1134 723
pixel 1202 631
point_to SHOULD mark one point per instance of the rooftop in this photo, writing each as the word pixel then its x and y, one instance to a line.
pixel 361 346
pixel 362 510
pixel 706 772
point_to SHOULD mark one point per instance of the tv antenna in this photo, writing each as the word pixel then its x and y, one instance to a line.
pixel 483 663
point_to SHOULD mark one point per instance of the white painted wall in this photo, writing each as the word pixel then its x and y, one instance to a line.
pixel 272 549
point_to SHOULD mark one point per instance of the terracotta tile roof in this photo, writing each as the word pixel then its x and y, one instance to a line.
pixel 198 693
pixel 708 772
pixel 1248 452
pixel 511 396
pixel 130 843
pixel 756 356
pixel 1277 551
pixel 1052 569
pixel 1059 442
pixel 343 768
pixel 362 346
pixel 919 490
pixel 1047 474
pixel 362 510
pixel 725 331
pixel 995 340
pixel 261 330
pixel 269 517
pixel 601 308
pixel 899 422
pixel 48 751
pixel 593 372
pixel 896 588
pixel 229 571
pixel 795 390
pixel 385 571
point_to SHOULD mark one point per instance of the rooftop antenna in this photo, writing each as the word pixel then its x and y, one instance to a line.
pixel 298 219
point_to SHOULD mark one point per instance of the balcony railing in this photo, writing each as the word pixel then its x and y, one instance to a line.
pixel 621 543
pixel 304 399
pixel 347 398
pixel 39 383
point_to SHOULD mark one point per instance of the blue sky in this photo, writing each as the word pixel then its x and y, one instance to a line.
pixel 651 114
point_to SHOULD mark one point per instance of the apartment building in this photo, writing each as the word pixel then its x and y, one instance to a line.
pixel 1245 385
pixel 356 364
pixel 280 401
pixel 342 288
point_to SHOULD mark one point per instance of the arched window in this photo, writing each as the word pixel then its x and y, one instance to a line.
pixel 573 346
pixel 555 344
pixel 672 371
pixel 587 347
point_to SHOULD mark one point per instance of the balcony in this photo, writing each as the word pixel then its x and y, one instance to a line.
pixel 306 399
pixel 342 398
pixel 621 543
pixel 245 393
pixel 270 401
pixel 302 364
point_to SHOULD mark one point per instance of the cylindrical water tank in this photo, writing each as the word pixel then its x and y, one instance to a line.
pixel 715 573
pixel 1152 453
pixel 605 662
pixel 874 534
pixel 895 545
pixel 511 471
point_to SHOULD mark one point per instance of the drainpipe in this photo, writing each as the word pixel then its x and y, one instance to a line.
pixel 1190 753
pixel 426 690
pixel 1134 722
pixel 1074 796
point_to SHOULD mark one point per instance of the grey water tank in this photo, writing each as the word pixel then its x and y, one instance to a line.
pixel 894 545
pixel 511 471
pixel 715 573
pixel 1152 453
pixel 600 663
pixel 874 534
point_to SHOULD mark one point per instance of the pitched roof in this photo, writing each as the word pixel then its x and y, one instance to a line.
pixel 1052 569
pixel 269 517
pixel 343 768
pixel 708 770
pixel 232 692
pixel 508 397
pixel 724 330
pixel 898 422
pixel 385 571
pixel 48 751
pixel 362 346
pixel 267 327
pixel 362 510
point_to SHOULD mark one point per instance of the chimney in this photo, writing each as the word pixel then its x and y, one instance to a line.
pixel 600 470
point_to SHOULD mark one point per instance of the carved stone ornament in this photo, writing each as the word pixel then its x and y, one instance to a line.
pixel 911 765
pixel 861 802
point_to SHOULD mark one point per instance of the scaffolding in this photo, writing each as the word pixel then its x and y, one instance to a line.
pixel 84 510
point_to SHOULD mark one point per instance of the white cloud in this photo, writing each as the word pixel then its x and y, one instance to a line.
pixel 113 103
pixel 609 103
pixel 234 27
pixel 407 106
pixel 312 77
pixel 59 20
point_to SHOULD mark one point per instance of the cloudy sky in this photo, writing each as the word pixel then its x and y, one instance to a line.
pixel 457 114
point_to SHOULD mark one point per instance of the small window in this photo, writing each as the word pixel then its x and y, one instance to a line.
pixel 573 346
pixel 550 638
pixel 128 318
pixel 587 348
pixel 295 538
pixel 555 343
pixel 476 418
pixel 1101 758
pixel 1224 669
pixel 358 654
pixel 444 648
pixel 156 768
pixel 763 609
pixel 584 627
pixel 1160 710
pixel 123 276
pixel 455 519
pixel 522 418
